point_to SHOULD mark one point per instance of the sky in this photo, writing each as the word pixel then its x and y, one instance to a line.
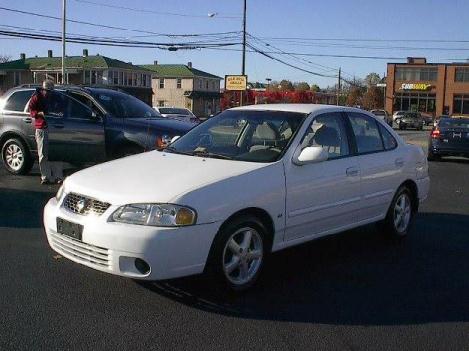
pixel 399 20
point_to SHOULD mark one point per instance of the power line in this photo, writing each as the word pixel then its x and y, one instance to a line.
pixel 112 27
pixel 367 40
pixel 288 64
pixel 118 43
pixel 155 12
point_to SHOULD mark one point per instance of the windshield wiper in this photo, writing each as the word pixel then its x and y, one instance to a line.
pixel 204 153
pixel 172 149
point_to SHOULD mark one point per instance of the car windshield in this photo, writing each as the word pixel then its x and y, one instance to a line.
pixel 411 115
pixel 242 135
pixel 454 123
pixel 173 111
pixel 126 106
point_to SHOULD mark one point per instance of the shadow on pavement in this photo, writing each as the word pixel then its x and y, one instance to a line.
pixel 354 278
pixel 21 208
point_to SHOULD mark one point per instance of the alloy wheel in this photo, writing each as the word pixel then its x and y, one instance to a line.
pixel 242 256
pixel 402 213
pixel 14 157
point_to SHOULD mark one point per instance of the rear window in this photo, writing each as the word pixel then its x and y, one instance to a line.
pixel 454 123
pixel 18 100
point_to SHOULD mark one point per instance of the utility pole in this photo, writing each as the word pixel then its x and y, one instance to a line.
pixel 339 81
pixel 243 64
pixel 64 4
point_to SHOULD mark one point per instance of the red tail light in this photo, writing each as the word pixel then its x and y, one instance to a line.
pixel 435 133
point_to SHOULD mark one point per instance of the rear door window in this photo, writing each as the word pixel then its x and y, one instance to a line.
pixel 18 100
pixel 367 136
pixel 389 141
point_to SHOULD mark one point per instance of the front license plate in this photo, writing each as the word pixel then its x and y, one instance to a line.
pixel 70 229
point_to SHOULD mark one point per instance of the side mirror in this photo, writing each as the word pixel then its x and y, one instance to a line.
pixel 175 138
pixel 311 154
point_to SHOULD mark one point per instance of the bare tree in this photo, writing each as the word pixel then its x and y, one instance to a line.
pixel 5 58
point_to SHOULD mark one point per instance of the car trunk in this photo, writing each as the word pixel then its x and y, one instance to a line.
pixel 457 137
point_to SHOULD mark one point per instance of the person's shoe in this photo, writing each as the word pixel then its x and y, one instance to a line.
pixel 59 181
pixel 45 182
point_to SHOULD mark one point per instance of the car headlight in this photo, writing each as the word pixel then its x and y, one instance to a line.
pixel 60 192
pixel 158 215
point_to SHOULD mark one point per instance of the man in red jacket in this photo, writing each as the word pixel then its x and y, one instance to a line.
pixel 38 106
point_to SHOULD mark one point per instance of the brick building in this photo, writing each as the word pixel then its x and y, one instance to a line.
pixel 430 88
pixel 179 85
pixel 84 70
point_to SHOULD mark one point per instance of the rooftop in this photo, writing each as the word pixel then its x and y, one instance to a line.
pixel 52 63
pixel 178 71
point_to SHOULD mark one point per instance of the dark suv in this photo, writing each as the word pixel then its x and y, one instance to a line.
pixel 86 125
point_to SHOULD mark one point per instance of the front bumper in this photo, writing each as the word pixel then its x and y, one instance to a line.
pixel 114 247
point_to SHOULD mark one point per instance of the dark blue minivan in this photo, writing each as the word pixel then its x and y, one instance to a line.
pixel 86 125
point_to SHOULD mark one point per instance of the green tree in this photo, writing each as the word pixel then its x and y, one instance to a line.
pixel 315 88
pixel 302 86
pixel 286 85
pixel 372 79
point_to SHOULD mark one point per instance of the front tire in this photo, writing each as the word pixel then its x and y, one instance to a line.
pixel 238 253
pixel 16 157
pixel 400 214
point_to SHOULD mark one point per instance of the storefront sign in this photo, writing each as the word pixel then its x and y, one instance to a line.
pixel 415 86
pixel 237 82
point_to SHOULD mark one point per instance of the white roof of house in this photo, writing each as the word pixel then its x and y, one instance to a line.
pixel 301 108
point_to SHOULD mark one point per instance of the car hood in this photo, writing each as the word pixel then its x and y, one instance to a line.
pixel 153 177
pixel 165 124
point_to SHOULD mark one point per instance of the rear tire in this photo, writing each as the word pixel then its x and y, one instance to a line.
pixel 400 216
pixel 432 157
pixel 236 257
pixel 16 156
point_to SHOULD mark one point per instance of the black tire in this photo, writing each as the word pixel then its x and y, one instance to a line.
pixel 388 225
pixel 219 251
pixel 26 161
pixel 432 157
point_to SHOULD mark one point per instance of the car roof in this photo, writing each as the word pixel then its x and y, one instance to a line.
pixel 300 108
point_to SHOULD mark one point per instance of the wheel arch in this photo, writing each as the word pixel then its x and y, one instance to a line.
pixel 412 186
pixel 15 135
pixel 260 214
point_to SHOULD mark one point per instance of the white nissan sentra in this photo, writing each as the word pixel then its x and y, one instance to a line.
pixel 243 184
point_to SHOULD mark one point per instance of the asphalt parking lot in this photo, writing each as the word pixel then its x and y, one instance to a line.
pixel 354 291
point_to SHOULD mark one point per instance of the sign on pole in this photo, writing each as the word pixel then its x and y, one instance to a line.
pixel 236 82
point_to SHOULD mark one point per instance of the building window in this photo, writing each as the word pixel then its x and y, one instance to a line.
pixel 16 78
pixel 161 103
pixel 417 74
pixel 115 78
pixel 179 83
pixel 200 83
pixel 420 102
pixel 129 79
pixel 206 84
pixel 214 86
pixel 461 75
pixel 461 104
pixel 94 77
pixel 161 83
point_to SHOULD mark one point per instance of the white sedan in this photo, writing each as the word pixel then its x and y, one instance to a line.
pixel 247 182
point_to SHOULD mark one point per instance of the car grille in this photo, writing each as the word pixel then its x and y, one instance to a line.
pixel 85 253
pixel 84 205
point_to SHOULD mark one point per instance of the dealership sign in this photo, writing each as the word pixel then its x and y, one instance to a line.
pixel 237 82
pixel 415 86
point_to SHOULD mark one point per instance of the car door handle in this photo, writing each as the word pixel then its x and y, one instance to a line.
pixel 352 172
pixel 399 162
pixel 27 120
